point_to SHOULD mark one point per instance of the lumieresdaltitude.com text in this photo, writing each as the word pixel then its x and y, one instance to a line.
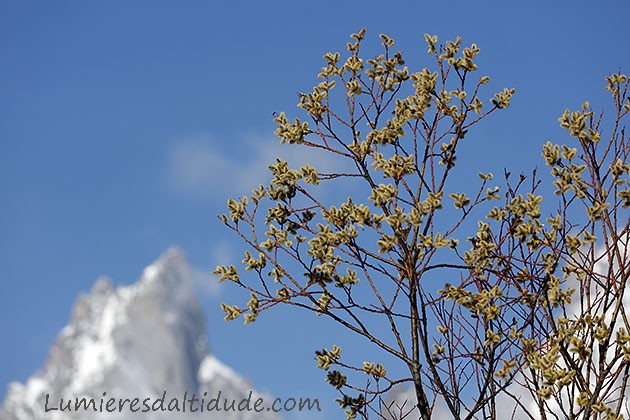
pixel 187 403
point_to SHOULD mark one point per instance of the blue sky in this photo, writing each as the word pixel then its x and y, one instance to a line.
pixel 119 123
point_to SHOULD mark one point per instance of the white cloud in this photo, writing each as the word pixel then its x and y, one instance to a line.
pixel 194 166
pixel 202 166
pixel 205 282
pixel 221 252
pixel 400 404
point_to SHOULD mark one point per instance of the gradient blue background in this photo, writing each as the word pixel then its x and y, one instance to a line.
pixel 109 112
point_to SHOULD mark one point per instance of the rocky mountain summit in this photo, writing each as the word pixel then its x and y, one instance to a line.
pixel 146 341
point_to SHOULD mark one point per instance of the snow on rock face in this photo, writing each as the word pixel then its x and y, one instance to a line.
pixel 135 341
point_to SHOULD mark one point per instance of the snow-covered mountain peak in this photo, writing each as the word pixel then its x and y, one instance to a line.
pixel 169 271
pixel 132 341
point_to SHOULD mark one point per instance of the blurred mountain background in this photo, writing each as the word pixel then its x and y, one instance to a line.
pixel 134 341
